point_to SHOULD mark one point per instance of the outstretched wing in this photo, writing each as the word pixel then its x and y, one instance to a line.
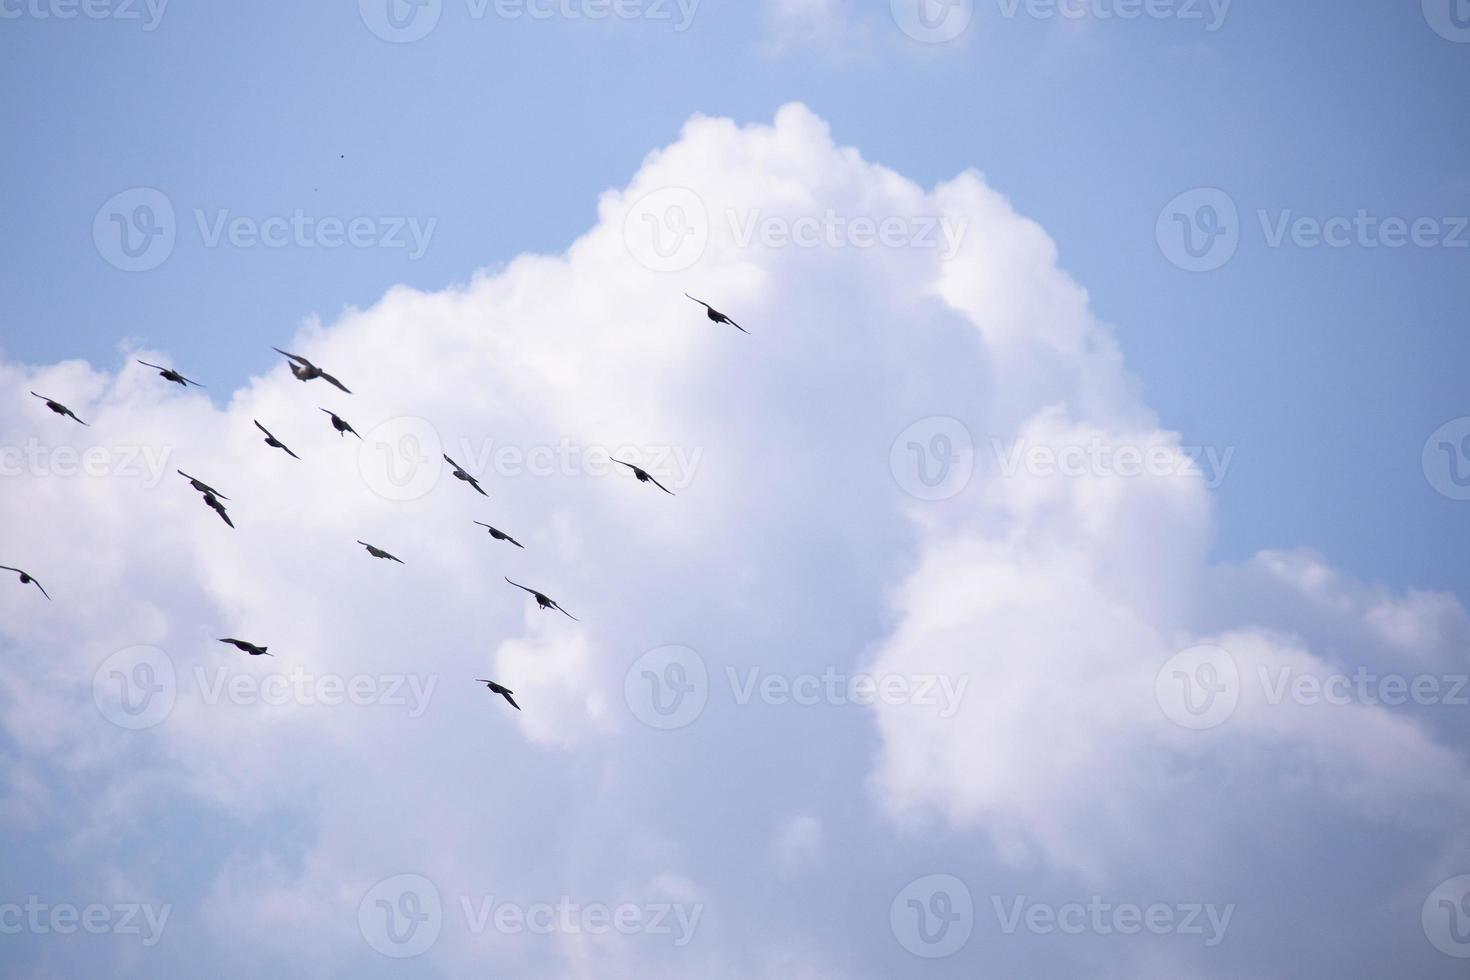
pixel 295 357
pixel 522 587
pixel 661 486
pixel 506 695
pixel 263 429
pixel 564 612
pixel 156 367
pixel 40 586
pixel 333 381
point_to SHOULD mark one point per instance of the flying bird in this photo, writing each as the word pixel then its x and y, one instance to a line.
pixel 341 425
pixel 460 474
pixel 249 648
pixel 169 374
pixel 504 692
pixel 645 477
pixel 26 579
pixel 218 508
pixel 545 601
pixel 307 371
pixel 201 486
pixel 500 535
pixel 59 408
pixel 273 442
pixel 379 552
pixel 717 316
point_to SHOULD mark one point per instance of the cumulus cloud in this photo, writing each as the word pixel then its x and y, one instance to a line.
pixel 274 796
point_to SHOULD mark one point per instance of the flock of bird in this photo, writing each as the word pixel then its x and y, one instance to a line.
pixel 305 370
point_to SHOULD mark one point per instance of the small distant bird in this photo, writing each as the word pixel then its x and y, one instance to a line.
pixel 379 552
pixel 26 579
pixel 249 648
pixel 59 408
pixel 504 692
pixel 545 601
pixel 273 442
pixel 340 424
pixel 169 374
pixel 717 316
pixel 500 535
pixel 201 486
pixel 644 476
pixel 218 508
pixel 460 474
pixel 307 371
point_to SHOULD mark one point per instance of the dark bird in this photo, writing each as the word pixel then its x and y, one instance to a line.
pixel 307 371
pixel 201 486
pixel 273 442
pixel 169 374
pixel 341 425
pixel 59 408
pixel 504 692
pixel 249 648
pixel 460 474
pixel 218 508
pixel 717 316
pixel 545 601
pixel 644 476
pixel 26 579
pixel 379 552
pixel 500 535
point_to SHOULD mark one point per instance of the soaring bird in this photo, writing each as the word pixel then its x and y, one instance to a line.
pixel 26 579
pixel 644 476
pixel 717 316
pixel 307 371
pixel 273 442
pixel 379 552
pixel 341 425
pixel 249 648
pixel 460 474
pixel 59 408
pixel 500 535
pixel 201 486
pixel 169 374
pixel 504 692
pixel 218 508
pixel 545 601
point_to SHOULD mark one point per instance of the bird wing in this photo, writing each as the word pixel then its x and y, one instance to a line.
pixel 661 486
pixel 263 428
pixel 506 695
pixel 476 484
pixel 736 325
pixel 452 463
pixel 522 587
pixel 394 558
pixel 7 568
pixel 38 585
pixel 564 612
pixel 295 357
pixel 156 367
pixel 515 542
pixel 287 450
pixel 481 523
pixel 333 381
pixel 192 382
pixel 699 301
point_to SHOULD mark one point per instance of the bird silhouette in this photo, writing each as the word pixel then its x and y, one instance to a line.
pixel 379 552
pixel 59 408
pixel 500 535
pixel 717 316
pixel 249 648
pixel 218 508
pixel 340 424
pixel 273 442
pixel 460 474
pixel 201 486
pixel 26 579
pixel 307 371
pixel 504 692
pixel 169 374
pixel 545 601
pixel 644 476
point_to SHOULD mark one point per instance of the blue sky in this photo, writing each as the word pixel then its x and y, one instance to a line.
pixel 514 146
